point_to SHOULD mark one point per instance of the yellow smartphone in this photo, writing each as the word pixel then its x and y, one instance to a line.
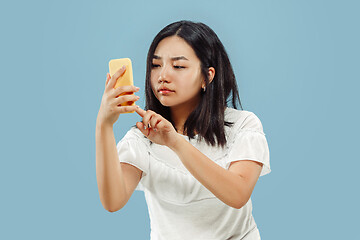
pixel 125 79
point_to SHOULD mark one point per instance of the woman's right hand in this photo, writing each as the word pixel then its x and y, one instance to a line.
pixel 110 107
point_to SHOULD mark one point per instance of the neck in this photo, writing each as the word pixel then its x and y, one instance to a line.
pixel 179 115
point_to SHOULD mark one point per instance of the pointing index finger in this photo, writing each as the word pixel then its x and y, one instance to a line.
pixel 140 111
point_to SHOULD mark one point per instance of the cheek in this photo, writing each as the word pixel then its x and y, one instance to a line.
pixel 193 81
pixel 189 88
pixel 154 86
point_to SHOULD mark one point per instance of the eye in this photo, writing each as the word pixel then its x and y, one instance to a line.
pixel 155 65
pixel 179 67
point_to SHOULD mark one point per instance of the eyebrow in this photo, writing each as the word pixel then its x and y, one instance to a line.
pixel 173 58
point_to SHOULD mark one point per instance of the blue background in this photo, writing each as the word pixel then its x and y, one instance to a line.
pixel 297 65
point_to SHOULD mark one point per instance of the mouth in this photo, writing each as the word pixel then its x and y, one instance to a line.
pixel 165 90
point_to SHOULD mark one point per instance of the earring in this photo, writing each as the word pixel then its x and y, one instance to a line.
pixel 204 89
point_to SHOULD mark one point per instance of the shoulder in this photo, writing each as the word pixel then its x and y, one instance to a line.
pixel 243 119
pixel 134 140
pixel 134 134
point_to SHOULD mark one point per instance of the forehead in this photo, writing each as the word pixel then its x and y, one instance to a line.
pixel 174 46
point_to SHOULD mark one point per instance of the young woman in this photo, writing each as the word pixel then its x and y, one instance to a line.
pixel 196 159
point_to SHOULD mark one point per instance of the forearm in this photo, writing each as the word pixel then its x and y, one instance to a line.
pixel 225 185
pixel 109 175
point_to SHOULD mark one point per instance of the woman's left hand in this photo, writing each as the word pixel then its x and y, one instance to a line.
pixel 156 128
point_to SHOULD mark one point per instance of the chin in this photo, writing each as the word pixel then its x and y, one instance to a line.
pixel 166 103
pixel 161 100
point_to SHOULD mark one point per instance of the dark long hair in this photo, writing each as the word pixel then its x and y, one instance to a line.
pixel 208 117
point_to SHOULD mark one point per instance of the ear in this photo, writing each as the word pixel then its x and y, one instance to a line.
pixel 211 75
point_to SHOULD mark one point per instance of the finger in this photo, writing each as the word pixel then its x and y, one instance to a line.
pixel 116 92
pixel 126 109
pixel 140 126
pixel 115 77
pixel 154 121
pixel 140 111
pixel 126 98
pixel 160 125
pixel 107 79
pixel 146 118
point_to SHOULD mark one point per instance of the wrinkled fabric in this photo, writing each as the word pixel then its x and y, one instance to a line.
pixel 179 206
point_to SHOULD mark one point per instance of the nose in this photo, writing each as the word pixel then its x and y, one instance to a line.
pixel 163 76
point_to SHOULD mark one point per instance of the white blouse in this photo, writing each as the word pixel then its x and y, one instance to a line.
pixel 179 206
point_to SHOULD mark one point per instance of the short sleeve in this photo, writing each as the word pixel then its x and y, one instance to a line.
pixel 132 149
pixel 249 143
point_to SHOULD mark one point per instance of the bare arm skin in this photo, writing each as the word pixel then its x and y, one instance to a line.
pixel 116 181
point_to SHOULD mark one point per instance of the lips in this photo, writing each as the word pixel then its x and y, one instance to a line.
pixel 165 90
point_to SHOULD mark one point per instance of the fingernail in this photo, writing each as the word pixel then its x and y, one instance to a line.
pixel 123 67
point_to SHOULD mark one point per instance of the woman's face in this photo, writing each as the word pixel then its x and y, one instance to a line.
pixel 176 77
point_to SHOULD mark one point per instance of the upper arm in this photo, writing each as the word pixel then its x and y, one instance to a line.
pixel 249 171
pixel 132 176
